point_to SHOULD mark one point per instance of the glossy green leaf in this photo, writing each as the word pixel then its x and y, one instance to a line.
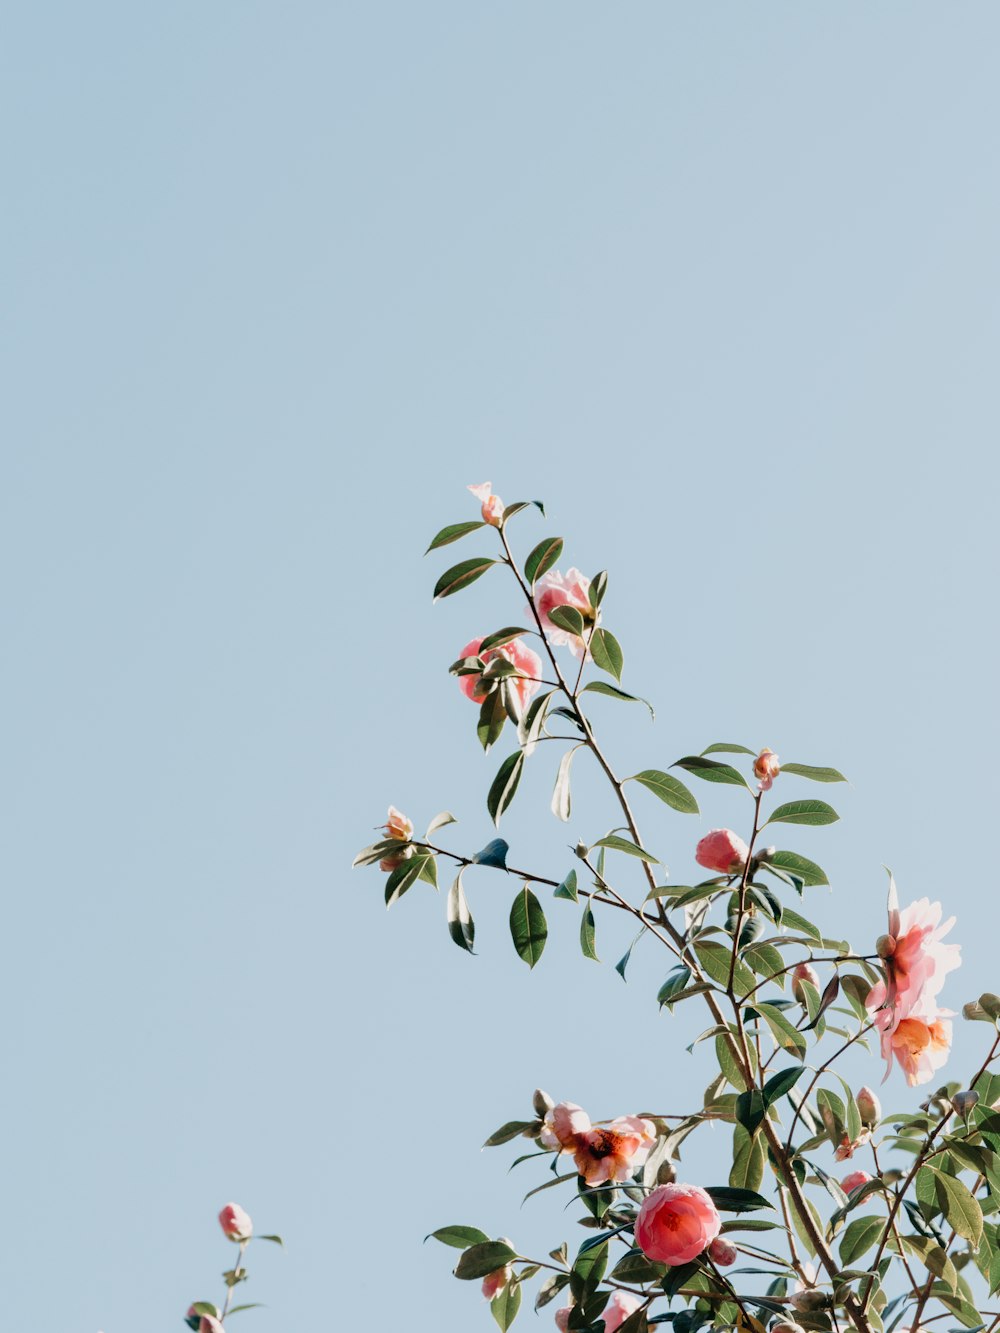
pixel 778 1085
pixel 749 1159
pixel 815 774
pixel 622 963
pixel 504 785
pixel 542 558
pixel 461 926
pixel 527 926
pixel 613 692
pixel 452 533
pixel 505 1305
pixel 786 1036
pixel 598 587
pixel 493 854
pixel 568 618
pixel 711 770
pixel 561 804
pixel 958 1205
pixel 607 652
pixel 492 717
pixel 729 1200
pixel 461 575
pixel 512 1129
pixel 480 1260
pixel 726 747
pixel 501 636
pixel 669 789
pixel 616 844
pixel 804 812
pixel 859 1237
pixel 808 871
pixel 458 1236
pixel 404 877
pixel 588 935
pixel 440 821
pixel 567 889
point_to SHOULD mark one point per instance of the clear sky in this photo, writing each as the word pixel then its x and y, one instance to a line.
pixel 719 283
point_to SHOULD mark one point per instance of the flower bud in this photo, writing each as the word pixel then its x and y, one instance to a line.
pixel 766 768
pixel 854 1180
pixel 885 946
pixel 235 1223
pixel 722 1252
pixel 803 972
pixel 398 826
pixel 723 851
pixel 869 1107
pixel 209 1324
pixel 542 1102
pixel 492 505
pixel 786 1326
pixel 808 1301
pixel 963 1102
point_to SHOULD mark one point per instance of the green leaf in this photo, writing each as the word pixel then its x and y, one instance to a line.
pixel 750 1110
pixel 616 844
pixel 779 1084
pixel 748 1163
pixel 675 982
pixel 504 785
pixel 804 812
pixel 440 821
pixel 461 926
pixel 511 1129
pixel 726 747
pixel 622 963
pixel 567 889
pixel 958 1205
pixel 501 636
pixel 816 774
pixel 607 652
pixel 598 587
pixel 542 558
pixel 404 877
pixel 588 934
pixel 801 924
pixel 460 1237
pixel 452 533
pixel 588 1268
pixel 494 854
pixel 527 927
pixel 480 1260
pixel 669 789
pixel 461 575
pixel 561 803
pixel 736 1201
pixel 808 871
pixel 716 958
pixel 568 618
pixel 786 1036
pixel 505 1305
pixel 492 716
pixel 711 770
pixel 206 1307
pixel 859 1237
pixel 613 692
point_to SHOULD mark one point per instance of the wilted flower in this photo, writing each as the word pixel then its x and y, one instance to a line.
pixel 722 1252
pixel 766 768
pixel 517 652
pixel 803 972
pixel 723 851
pixel 853 1180
pixel 398 826
pixel 572 589
pixel 611 1153
pixel 869 1107
pixel 492 504
pixel 618 1309
pixel 235 1222
pixel 562 1126
pixel 675 1223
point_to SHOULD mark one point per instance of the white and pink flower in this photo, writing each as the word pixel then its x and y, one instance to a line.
pixel 618 1309
pixel 766 768
pixel 526 660
pixel 235 1222
pixel 564 1123
pixel 610 1154
pixel 492 505
pixel 570 589
pixel 675 1223
pixel 495 1282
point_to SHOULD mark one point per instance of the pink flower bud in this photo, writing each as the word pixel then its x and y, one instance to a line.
pixel 885 946
pixel 492 510
pixel 398 826
pixel 869 1107
pixel 766 768
pixel 723 851
pixel 808 1301
pixel 854 1180
pixel 209 1324
pixel 235 1223
pixel 722 1252
pixel 803 972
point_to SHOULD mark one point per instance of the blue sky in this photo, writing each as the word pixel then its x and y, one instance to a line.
pixel 719 284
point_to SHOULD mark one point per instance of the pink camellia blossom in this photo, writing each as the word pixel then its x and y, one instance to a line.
pixel 723 851
pixel 492 504
pixel 920 1043
pixel 235 1222
pixel 766 768
pixel 611 1153
pixel 572 589
pixel 494 1283
pixel 517 652
pixel 398 826
pixel 854 1180
pixel 722 1252
pixel 848 1146
pixel 562 1318
pixel 618 1309
pixel 804 972
pixel 919 961
pixel 562 1126
pixel 675 1223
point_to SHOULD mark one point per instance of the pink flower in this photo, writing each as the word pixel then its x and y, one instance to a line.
pixel 803 972
pixel 920 1043
pixel 723 851
pixel 562 1318
pixel 848 1147
pixel 202 1323
pixel 492 504
pixel 613 1152
pixel 854 1181
pixel 562 1126
pixel 618 1309
pixel 517 652
pixel 919 962
pixel 235 1222
pixel 767 768
pixel 552 590
pixel 722 1252
pixel 209 1324
pixel 869 1106
pixel 395 859
pixel 398 826
pixel 675 1223
pixel 494 1283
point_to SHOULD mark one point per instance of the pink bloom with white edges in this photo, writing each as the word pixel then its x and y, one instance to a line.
pixel 766 768
pixel 722 1252
pixel 848 1146
pixel 920 1043
pixel 675 1223
pixel 919 962
pixel 494 1283
pixel 618 1309
pixel 492 504
pixel 723 851
pixel 562 1126
pixel 517 652
pixel 554 589
pixel 398 826
pixel 235 1222
pixel 854 1180
pixel 612 1153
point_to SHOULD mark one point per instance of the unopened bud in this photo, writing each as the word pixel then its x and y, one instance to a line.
pixel 722 1252
pixel 542 1102
pixel 786 1326
pixel 975 1013
pixel 963 1102
pixel 582 850
pixel 869 1107
pixel 808 1301
pixel 803 972
pixel 885 946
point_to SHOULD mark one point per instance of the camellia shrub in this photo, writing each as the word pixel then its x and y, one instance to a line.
pixel 829 1214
